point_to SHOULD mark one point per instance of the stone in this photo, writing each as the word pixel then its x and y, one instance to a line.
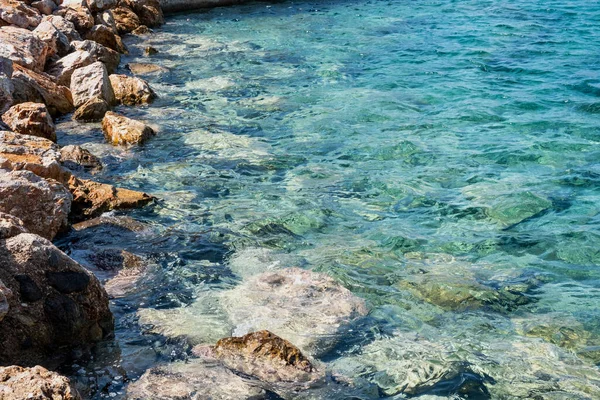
pixel 109 57
pixel 192 380
pixel 78 14
pixel 150 51
pixel 40 88
pixel 100 5
pixel 77 159
pixel 36 383
pixel 92 110
pixel 5 294
pixel 30 119
pixel 57 305
pixel 125 19
pixel 120 130
pixel 145 68
pixel 106 37
pixel 23 47
pixel 107 19
pixel 6 67
pixel 63 68
pixel 131 90
pixel 57 42
pixel 141 30
pixel 43 205
pixel 19 14
pixel 89 82
pixel 6 91
pixel 45 7
pixel 149 12
pixel 10 226
pixel 66 27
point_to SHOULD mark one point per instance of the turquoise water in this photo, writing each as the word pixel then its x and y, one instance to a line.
pixel 405 148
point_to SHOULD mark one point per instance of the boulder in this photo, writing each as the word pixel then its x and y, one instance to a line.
pixel 36 383
pixel 150 51
pixel 45 7
pixel 40 88
pixel 10 226
pixel 100 5
pixel 62 69
pixel 109 57
pixel 18 13
pixel 30 119
pixel 77 14
pixel 23 47
pixel 43 205
pixel 120 130
pixel 149 12
pixel 107 19
pixel 56 304
pixel 66 27
pixel 89 82
pixel 141 30
pixel 6 85
pixel 125 19
pixel 145 68
pixel 57 42
pixel 131 90
pixel 92 110
pixel 106 37
pixel 77 158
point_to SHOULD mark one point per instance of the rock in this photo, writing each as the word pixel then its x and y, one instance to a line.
pixel 125 19
pixel 120 130
pixel 91 199
pixel 6 67
pixel 57 304
pixel 106 37
pixel 10 226
pixel 150 51
pixel 192 380
pixel 5 294
pixel 37 383
pixel 30 119
pixel 45 7
pixel 145 68
pixel 19 14
pixel 131 91
pixel 31 153
pixel 78 15
pixel 89 82
pixel 100 5
pixel 77 158
pixel 141 30
pixel 92 110
pixel 40 88
pixel 23 47
pixel 62 69
pixel 43 205
pixel 107 19
pixel 6 85
pixel 57 42
pixel 149 11
pixel 66 27
pixel 109 57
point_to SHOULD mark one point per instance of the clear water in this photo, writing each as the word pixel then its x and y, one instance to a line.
pixel 369 140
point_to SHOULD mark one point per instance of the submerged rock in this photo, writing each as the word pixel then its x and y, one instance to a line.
pixel 76 158
pixel 30 119
pixel 37 383
pixel 131 91
pixel 120 130
pixel 23 47
pixel 145 68
pixel 40 88
pixel 89 82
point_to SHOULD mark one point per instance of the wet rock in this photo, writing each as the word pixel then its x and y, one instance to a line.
pixel 45 7
pixel 76 158
pixel 148 11
pixel 100 5
pixel 91 199
pixel 42 205
pixel 109 57
pixel 19 14
pixel 141 30
pixel 23 47
pixel 107 37
pixel 40 88
pixel 57 42
pixel 125 19
pixel 92 110
pixel 57 304
pixel 62 69
pixel 145 68
pixel 120 130
pixel 78 15
pixel 30 119
pixel 89 82
pixel 131 91
pixel 37 383
pixel 192 380
pixel 150 51
pixel 66 27
pixel 124 223
pixel 10 226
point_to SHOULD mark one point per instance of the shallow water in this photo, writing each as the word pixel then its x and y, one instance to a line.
pixel 389 144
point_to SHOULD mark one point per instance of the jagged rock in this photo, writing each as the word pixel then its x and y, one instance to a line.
pixel 109 57
pixel 91 199
pixel 6 85
pixel 106 37
pixel 78 15
pixel 31 153
pixel 40 88
pixel 37 383
pixel 192 380
pixel 66 27
pixel 107 19
pixel 125 19
pixel 145 68
pixel 56 303
pixel 63 68
pixel 141 30
pixel 77 158
pixel 92 110
pixel 120 130
pixel 149 11
pixel 130 90
pixel 100 5
pixel 89 82
pixel 58 43
pixel 43 205
pixel 23 47
pixel 10 226
pixel 45 7
pixel 19 14
pixel 30 119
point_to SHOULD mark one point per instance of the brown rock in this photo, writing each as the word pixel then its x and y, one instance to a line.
pixel 106 37
pixel 92 110
pixel 19 14
pixel 57 42
pixel 125 19
pixel 62 69
pixel 56 304
pixel 23 47
pixel 149 11
pixel 37 383
pixel 100 5
pixel 30 119
pixel 77 158
pixel 66 27
pixel 109 57
pixel 89 82
pixel 45 7
pixel 43 205
pixel 131 91
pixel 40 88
pixel 141 30
pixel 107 19
pixel 145 68
pixel 10 226
pixel 120 130
pixel 78 15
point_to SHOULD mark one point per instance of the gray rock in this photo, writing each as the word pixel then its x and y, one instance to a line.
pixel 23 47
pixel 6 91
pixel 57 41
pixel 109 57
pixel 19 14
pixel 10 226
pixel 63 68
pixel 89 82
pixel 66 27
pixel 45 7
pixel 100 5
